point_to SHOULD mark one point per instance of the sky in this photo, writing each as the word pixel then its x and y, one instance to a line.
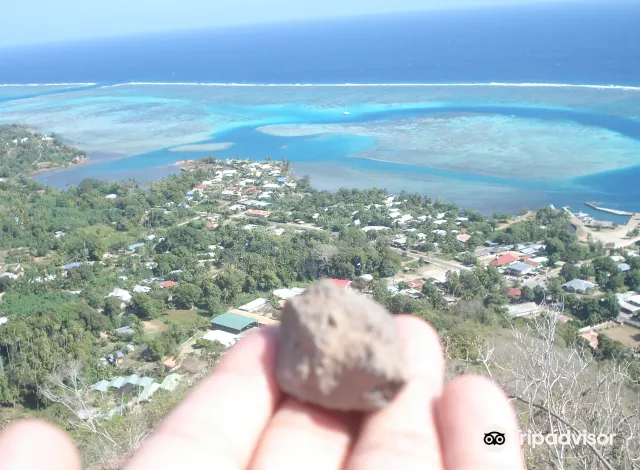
pixel 43 21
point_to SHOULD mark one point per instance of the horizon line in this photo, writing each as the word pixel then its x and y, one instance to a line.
pixel 231 84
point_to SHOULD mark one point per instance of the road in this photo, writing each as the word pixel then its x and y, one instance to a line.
pixel 187 221
pixel 297 226
pixel 451 265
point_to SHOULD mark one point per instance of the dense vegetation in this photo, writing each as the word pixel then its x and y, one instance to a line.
pixel 23 151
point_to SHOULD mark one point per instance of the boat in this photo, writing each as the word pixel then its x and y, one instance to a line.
pixel 346 112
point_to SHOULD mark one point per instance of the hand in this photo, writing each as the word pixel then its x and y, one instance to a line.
pixel 237 419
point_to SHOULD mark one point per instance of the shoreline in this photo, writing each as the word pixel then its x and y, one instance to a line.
pixel 68 165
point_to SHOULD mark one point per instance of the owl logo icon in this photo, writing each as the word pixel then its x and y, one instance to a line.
pixel 494 438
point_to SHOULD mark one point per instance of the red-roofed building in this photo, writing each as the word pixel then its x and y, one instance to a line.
pixel 211 224
pixel 250 188
pixel 591 338
pixel 341 283
pixel 504 260
pixel 416 284
pixel 258 213
pixel 201 187
pixel 230 188
pixel 463 237
pixel 513 292
pixel 168 284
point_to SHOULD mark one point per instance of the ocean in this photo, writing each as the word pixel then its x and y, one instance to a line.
pixel 499 109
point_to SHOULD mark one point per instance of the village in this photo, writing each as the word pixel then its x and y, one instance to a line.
pixel 258 196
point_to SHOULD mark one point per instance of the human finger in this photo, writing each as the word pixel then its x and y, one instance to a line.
pixel 471 408
pixel 219 424
pixel 34 445
pixel 404 435
pixel 305 436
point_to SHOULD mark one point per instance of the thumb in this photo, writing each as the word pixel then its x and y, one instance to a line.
pixel 34 445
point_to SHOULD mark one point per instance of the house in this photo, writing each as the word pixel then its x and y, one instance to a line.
pixel 513 292
pixel 141 289
pixel 270 186
pixel 416 284
pixel 135 246
pixel 258 213
pixel 601 224
pixel 227 192
pixel 341 283
pixel 285 294
pixel 528 251
pixel 536 262
pixel 590 338
pixel 579 286
pixel 111 196
pixel 441 233
pixel 120 294
pixel 404 219
pixel 254 305
pixel 399 241
pixel 282 180
pixel 225 338
pixel 210 224
pixel 520 269
pixel 3 320
pixel 631 304
pixel 233 323
pixel 463 238
pixel 59 234
pixel 523 310
pixel 504 260
pixel 168 284
pixel 412 293
pixel 624 267
pixel 125 331
pixel 237 207
pixel 69 266
pixel 617 259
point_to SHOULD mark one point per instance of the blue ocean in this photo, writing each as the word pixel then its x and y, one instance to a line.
pixel 496 108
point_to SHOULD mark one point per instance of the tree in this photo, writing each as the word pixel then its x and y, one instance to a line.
pixel 324 254
pixel 468 259
pixel 570 272
pixel 186 295
pixel 527 294
pixel 146 307
pixel 156 350
pixel 112 307
pixel 539 294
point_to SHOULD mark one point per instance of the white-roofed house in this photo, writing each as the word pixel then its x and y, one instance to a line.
pixel 225 338
pixel 254 305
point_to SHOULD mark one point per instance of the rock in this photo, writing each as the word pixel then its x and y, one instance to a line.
pixel 339 350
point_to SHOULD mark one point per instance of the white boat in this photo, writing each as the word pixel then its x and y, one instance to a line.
pixel 346 112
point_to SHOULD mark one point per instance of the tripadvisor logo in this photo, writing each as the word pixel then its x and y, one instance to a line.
pixel 566 438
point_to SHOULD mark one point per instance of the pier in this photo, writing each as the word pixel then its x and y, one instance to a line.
pixel 610 211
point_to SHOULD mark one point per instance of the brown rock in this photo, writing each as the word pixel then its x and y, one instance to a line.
pixel 339 350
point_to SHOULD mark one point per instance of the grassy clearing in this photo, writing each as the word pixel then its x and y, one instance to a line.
pixel 627 335
pixel 184 318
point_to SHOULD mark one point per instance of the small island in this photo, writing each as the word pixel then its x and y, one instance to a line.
pixel 24 152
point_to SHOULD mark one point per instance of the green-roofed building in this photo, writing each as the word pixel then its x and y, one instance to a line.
pixel 233 323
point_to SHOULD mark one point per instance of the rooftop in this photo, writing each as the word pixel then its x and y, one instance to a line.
pixel 233 321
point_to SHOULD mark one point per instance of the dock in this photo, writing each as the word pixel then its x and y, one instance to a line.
pixel 610 211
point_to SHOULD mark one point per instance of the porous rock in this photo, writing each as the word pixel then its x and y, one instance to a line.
pixel 340 350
